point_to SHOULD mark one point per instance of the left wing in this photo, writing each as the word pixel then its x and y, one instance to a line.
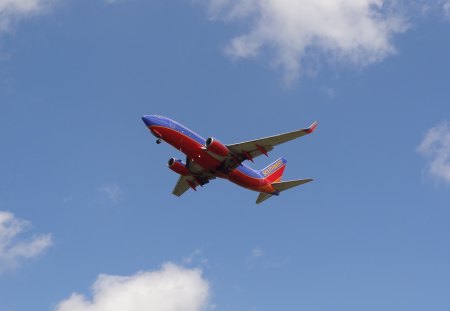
pixel 254 148
pixel 182 185
pixel 189 181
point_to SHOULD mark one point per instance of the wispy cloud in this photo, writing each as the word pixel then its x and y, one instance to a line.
pixel 446 7
pixel 111 192
pixel 355 31
pixel 259 259
pixel 173 288
pixel 329 92
pixel 256 252
pixel 196 257
pixel 426 7
pixel 12 248
pixel 436 148
pixel 254 260
pixel 13 10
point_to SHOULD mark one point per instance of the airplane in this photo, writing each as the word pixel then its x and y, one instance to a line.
pixel 207 159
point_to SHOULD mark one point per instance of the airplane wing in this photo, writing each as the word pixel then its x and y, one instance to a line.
pixel 186 182
pixel 254 148
pixel 182 185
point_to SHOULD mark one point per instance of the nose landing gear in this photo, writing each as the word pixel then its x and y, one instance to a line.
pixel 158 141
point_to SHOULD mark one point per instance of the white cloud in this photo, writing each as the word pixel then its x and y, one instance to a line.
pixel 13 10
pixel 12 250
pixel 112 192
pixel 355 31
pixel 436 147
pixel 173 288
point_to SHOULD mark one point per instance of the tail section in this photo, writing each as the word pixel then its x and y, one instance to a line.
pixel 273 174
pixel 274 171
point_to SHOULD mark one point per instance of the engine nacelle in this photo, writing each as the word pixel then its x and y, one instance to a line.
pixel 216 147
pixel 178 167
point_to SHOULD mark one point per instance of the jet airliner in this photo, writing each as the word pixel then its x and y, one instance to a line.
pixel 207 159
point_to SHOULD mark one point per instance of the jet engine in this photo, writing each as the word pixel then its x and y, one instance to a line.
pixel 178 166
pixel 216 147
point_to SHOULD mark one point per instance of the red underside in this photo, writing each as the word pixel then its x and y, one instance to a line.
pixel 193 150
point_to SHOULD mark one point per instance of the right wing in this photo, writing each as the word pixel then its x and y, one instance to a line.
pixel 253 148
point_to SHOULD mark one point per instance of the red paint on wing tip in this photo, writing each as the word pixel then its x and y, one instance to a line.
pixel 311 128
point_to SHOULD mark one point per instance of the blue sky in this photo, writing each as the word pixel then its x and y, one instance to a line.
pixel 87 219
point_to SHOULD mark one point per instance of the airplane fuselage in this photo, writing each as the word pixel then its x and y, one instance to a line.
pixel 200 161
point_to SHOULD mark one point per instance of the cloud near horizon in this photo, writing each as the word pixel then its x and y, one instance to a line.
pixel 352 31
pixel 14 250
pixel 436 147
pixel 173 288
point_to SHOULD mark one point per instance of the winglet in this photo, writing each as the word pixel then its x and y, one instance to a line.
pixel 311 128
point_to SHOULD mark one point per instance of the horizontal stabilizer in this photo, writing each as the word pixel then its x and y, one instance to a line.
pixel 284 185
pixel 262 197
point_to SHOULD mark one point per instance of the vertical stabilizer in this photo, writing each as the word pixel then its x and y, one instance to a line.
pixel 273 172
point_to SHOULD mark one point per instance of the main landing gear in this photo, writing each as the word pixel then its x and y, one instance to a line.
pixel 202 180
pixel 158 141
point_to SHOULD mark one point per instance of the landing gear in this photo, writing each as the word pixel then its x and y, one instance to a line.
pixel 158 141
pixel 202 180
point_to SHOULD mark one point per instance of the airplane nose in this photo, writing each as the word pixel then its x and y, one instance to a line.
pixel 148 120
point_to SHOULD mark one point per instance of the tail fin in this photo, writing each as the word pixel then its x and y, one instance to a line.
pixel 274 171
